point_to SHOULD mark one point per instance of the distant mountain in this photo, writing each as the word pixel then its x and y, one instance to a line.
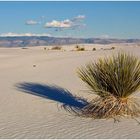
pixel 23 41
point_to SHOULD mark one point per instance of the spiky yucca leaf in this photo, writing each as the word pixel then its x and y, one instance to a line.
pixel 118 75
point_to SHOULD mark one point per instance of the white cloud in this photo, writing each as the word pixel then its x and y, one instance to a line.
pixel 59 24
pixel 10 34
pixel 67 23
pixel 31 22
pixel 79 17
pixel 74 23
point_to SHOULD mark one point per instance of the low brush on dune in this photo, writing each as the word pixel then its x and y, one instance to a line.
pixel 113 80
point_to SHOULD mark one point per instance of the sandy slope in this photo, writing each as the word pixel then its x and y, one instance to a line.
pixel 23 115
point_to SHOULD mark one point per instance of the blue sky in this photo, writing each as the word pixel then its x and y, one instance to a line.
pixel 75 19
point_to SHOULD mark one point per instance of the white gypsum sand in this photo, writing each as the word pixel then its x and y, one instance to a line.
pixel 23 115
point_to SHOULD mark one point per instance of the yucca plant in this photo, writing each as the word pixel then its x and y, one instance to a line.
pixel 114 79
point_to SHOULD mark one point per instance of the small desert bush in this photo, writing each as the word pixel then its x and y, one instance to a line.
pixel 94 49
pixel 114 80
pixel 77 46
pixel 81 49
pixel 24 48
pixel 112 48
pixel 56 48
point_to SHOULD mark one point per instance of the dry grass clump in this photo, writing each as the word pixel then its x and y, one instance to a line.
pixel 81 49
pixel 112 48
pixel 56 48
pixel 113 80
pixel 24 48
pixel 78 48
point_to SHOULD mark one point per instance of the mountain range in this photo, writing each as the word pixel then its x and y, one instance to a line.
pixel 24 41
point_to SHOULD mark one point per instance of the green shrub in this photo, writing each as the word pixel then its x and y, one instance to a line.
pixel 113 80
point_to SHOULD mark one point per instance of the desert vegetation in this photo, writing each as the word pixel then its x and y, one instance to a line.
pixel 56 48
pixel 112 48
pixel 114 80
pixel 81 49
pixel 45 48
pixel 78 48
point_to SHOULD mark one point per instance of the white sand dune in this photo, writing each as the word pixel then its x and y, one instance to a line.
pixel 24 115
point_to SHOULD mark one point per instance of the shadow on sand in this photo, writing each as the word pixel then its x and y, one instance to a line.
pixel 68 101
